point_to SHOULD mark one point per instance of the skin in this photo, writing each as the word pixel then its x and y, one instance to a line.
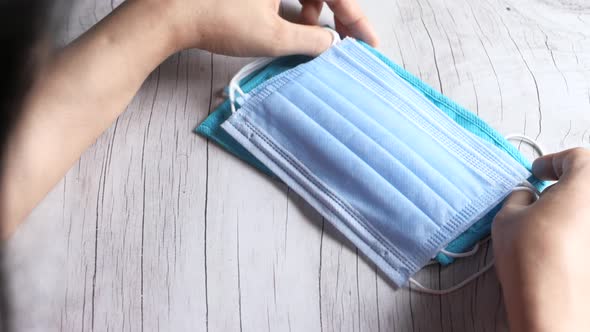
pixel 81 89
pixel 540 248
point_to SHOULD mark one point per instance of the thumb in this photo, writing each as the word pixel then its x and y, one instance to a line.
pixel 302 39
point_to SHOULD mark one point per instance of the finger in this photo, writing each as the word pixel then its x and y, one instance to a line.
pixel 310 11
pixel 519 199
pixel 302 39
pixel 349 13
pixel 554 166
pixel 549 167
pixel 548 189
pixel 341 28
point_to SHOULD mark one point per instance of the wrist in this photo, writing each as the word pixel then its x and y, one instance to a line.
pixel 155 26
pixel 539 296
pixel 175 26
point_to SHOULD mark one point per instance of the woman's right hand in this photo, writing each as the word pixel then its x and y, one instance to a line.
pixel 541 248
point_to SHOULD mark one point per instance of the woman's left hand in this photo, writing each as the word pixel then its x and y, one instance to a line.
pixel 254 27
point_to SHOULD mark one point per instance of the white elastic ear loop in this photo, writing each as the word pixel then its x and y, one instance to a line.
pixel 335 36
pixel 525 186
pixel 461 254
pixel 422 289
pixel 234 84
pixel 523 138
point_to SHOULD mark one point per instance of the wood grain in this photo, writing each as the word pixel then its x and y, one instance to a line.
pixel 156 229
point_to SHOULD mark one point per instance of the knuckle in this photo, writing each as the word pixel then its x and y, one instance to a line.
pixel 580 152
pixel 506 213
pixel 579 156
pixel 579 161
pixel 502 215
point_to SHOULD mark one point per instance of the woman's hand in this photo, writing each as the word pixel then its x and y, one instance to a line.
pixel 82 89
pixel 254 27
pixel 541 248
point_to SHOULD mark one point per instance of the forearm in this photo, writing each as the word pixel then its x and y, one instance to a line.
pixel 528 309
pixel 556 305
pixel 89 83
pixel 77 96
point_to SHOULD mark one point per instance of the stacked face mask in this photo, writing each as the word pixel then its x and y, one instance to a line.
pixel 468 240
pixel 381 162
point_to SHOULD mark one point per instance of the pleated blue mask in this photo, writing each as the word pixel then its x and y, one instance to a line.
pixel 378 160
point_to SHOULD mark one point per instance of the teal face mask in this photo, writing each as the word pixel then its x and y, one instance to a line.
pixel 211 128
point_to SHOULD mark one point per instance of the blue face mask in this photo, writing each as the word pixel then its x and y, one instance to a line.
pixel 211 128
pixel 380 161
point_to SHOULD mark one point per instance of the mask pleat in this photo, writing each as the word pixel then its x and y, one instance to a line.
pixel 393 135
pixel 342 170
pixel 381 160
pixel 388 169
pixel 488 171
pixel 395 86
pixel 393 119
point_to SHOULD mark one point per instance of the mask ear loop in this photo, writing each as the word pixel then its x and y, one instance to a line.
pixel 423 289
pixel 524 186
pixel 539 149
pixel 526 139
pixel 463 254
pixel 252 67
pixel 234 84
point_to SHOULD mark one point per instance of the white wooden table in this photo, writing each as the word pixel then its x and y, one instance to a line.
pixel 157 229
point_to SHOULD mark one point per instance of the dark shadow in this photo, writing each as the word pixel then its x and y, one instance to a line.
pixel 290 11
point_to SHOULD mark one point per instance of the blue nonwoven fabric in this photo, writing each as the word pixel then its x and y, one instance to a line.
pixel 211 128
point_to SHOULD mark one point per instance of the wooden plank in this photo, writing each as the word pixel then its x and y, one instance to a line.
pixel 174 197
pixel 262 248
